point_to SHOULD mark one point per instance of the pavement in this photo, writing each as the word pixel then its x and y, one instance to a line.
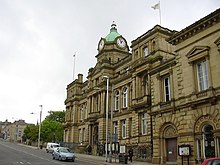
pixel 102 161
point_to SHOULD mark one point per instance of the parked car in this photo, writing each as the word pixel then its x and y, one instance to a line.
pixel 63 153
pixel 211 161
pixel 51 146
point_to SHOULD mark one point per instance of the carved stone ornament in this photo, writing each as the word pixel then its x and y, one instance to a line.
pixel 170 132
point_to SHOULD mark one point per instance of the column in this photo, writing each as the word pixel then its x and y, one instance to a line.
pixel 203 145
pixel 198 150
pixel 217 146
pixel 133 88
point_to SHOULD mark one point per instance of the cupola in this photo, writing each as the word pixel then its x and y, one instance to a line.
pixel 113 33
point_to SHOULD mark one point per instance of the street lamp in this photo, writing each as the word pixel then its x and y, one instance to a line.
pixel 106 145
pixel 111 127
pixel 39 130
pixel 38 144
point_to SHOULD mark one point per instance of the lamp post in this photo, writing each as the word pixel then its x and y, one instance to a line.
pixel 39 130
pixel 38 144
pixel 111 127
pixel 106 145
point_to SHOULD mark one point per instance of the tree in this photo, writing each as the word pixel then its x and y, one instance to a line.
pixel 58 116
pixel 31 133
pixel 52 131
pixel 51 128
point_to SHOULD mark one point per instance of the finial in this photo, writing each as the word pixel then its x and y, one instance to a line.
pixel 113 26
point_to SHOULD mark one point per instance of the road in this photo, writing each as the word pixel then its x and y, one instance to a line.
pixel 15 154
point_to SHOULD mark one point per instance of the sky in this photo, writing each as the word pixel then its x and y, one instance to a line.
pixel 38 39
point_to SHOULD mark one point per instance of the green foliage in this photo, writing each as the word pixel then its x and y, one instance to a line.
pixel 51 128
pixel 31 132
pixel 52 131
pixel 58 116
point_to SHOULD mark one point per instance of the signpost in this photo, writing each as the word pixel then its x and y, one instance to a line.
pixel 184 150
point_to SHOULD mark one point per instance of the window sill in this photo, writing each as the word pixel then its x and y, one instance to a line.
pixel 165 104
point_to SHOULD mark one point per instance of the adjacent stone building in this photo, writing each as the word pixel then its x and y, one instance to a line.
pixel 4 126
pixel 163 95
pixel 13 131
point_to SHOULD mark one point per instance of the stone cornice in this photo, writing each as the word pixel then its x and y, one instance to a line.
pixel 163 66
pixel 196 28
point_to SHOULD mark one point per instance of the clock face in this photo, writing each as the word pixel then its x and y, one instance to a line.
pixel 101 44
pixel 121 42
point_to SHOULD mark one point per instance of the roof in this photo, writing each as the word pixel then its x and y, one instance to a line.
pixel 113 33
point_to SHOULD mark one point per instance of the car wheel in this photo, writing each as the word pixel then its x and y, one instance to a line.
pixel 73 160
pixel 60 158
pixel 53 157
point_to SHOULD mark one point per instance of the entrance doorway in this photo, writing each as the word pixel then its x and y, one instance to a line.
pixel 209 142
pixel 171 148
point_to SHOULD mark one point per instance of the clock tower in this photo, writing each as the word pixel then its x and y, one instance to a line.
pixel 113 47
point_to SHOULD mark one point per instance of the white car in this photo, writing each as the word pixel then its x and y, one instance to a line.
pixel 63 153
pixel 51 146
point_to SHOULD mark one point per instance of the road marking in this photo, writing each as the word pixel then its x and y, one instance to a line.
pixel 29 154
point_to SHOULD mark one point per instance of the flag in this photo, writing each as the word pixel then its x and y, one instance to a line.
pixel 157 6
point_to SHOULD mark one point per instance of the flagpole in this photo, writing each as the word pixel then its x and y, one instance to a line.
pixel 157 6
pixel 160 13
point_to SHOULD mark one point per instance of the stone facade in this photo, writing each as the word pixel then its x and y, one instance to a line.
pixel 13 131
pixel 164 95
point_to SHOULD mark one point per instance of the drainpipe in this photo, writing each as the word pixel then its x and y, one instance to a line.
pixel 151 122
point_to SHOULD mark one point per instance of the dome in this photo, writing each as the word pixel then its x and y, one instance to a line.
pixel 113 33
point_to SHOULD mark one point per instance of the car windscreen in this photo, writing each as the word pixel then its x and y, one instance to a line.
pixel 216 162
pixel 55 146
pixel 65 150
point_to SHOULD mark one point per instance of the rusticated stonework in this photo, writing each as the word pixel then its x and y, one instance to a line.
pixel 213 119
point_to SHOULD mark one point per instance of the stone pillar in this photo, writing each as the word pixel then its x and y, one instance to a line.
pixel 133 88
pixel 90 134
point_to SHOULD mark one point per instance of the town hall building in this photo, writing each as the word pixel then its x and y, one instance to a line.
pixel 161 94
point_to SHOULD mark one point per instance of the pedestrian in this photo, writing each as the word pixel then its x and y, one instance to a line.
pixel 89 149
pixel 130 154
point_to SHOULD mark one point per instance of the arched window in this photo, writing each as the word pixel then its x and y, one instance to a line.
pixel 117 100
pixel 125 97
